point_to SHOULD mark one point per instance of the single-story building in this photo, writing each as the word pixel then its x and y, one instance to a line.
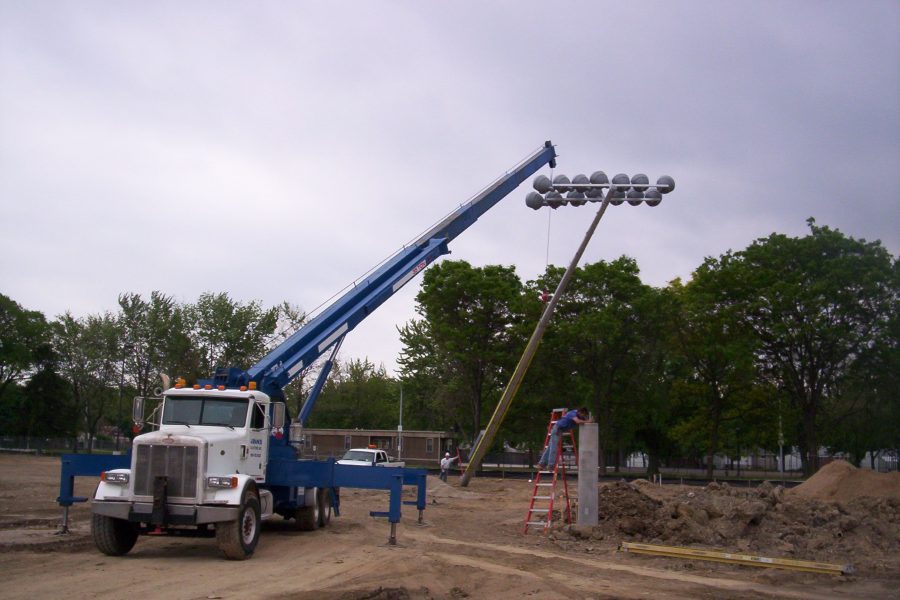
pixel 416 447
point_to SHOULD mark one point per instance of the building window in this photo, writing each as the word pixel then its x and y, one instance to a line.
pixel 382 443
pixel 348 441
pixel 429 445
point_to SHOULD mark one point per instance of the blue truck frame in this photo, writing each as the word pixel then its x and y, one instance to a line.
pixel 322 334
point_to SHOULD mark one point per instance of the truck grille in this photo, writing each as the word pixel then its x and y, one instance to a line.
pixel 178 463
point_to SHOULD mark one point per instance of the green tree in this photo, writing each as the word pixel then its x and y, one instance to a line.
pixel 867 408
pixel 424 379
pixel 650 415
pixel 814 305
pixel 358 394
pixel 718 374
pixel 548 383
pixel 11 418
pixel 603 341
pixel 468 314
pixel 48 409
pixel 154 340
pixel 89 350
pixel 227 333
pixel 23 334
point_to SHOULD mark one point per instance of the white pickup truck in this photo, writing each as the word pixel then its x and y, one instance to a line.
pixel 369 457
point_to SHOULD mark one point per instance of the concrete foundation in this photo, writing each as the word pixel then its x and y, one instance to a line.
pixel 588 459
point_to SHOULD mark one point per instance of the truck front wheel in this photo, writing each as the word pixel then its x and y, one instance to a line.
pixel 113 537
pixel 238 539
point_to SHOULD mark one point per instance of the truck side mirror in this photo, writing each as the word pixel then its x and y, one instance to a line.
pixel 278 415
pixel 137 410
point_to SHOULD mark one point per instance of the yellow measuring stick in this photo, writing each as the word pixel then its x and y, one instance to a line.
pixel 738 559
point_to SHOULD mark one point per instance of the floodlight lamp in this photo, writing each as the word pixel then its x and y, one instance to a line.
pixel 576 198
pixel 621 182
pixel 581 179
pixel 639 182
pixel 561 183
pixel 534 200
pixel 554 199
pixel 665 184
pixel 652 197
pixel 599 178
pixel 542 184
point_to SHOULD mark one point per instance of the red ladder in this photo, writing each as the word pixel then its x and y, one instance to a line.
pixel 539 493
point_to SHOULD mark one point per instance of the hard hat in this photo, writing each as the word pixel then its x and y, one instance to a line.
pixel 447 454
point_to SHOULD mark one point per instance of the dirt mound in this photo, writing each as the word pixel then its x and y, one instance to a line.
pixel 864 530
pixel 840 481
pixel 439 489
pixel 630 509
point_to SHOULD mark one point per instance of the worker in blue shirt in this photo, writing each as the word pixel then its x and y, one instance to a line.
pixel 565 423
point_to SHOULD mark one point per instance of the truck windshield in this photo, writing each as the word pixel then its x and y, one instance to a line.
pixel 358 455
pixel 188 410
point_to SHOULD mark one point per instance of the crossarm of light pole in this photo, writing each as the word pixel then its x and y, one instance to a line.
pixel 525 361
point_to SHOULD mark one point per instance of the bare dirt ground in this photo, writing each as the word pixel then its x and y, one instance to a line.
pixel 471 546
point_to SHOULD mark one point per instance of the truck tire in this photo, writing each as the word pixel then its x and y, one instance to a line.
pixel 323 498
pixel 238 539
pixel 113 537
pixel 308 517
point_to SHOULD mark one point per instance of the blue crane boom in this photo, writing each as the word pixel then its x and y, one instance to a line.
pixel 327 330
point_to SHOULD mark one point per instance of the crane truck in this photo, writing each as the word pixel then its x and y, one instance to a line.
pixel 221 463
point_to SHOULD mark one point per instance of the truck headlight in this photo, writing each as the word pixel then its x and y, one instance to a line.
pixel 114 477
pixel 222 482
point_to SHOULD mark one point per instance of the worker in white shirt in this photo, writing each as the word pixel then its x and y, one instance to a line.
pixel 445 465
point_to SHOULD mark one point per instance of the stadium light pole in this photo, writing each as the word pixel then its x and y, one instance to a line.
pixel 581 190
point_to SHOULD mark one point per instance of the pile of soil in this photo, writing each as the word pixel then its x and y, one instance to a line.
pixel 842 516
pixel 841 481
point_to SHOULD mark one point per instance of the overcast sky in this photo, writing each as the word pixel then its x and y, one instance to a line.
pixel 277 150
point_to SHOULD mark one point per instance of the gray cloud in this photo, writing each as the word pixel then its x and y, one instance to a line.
pixel 276 151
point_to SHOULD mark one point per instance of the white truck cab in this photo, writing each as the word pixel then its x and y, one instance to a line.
pixel 204 465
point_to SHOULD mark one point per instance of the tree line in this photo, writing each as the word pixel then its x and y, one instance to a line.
pixel 71 376
pixel 790 341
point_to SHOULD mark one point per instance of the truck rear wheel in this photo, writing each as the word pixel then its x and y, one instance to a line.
pixel 238 539
pixel 309 516
pixel 113 537
pixel 325 510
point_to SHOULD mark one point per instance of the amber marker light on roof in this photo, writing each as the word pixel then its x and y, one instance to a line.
pixel 252 385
